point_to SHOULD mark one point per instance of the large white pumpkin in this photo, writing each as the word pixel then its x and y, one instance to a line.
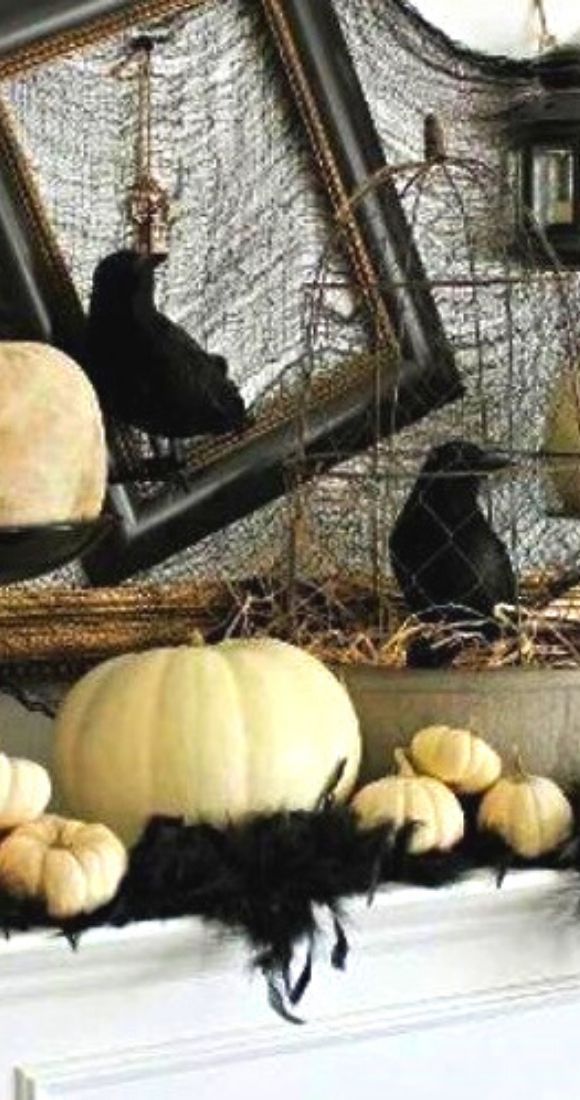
pixel 53 462
pixel 213 733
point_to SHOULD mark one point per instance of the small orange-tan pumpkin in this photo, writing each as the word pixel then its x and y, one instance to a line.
pixel 53 465
pixel 410 798
pixel 69 866
pixel 529 812
pixel 456 757
pixel 25 791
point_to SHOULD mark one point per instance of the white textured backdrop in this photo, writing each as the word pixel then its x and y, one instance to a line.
pixel 501 27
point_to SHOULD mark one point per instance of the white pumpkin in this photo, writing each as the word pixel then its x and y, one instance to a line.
pixel 212 733
pixel 53 462
pixel 456 757
pixel 69 866
pixel 410 798
pixel 25 791
pixel 529 812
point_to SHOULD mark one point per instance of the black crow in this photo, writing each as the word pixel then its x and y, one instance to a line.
pixel 147 371
pixel 448 561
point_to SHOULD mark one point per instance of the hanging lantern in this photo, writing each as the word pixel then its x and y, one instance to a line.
pixel 148 203
pixel 544 134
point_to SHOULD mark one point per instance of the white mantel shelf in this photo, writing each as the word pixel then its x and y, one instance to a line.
pixel 469 989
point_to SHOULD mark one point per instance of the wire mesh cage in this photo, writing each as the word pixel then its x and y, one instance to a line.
pixel 509 312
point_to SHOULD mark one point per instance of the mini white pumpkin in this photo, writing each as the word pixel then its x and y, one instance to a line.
pixel 53 462
pixel 25 791
pixel 456 757
pixel 408 797
pixel 69 866
pixel 529 812
pixel 211 733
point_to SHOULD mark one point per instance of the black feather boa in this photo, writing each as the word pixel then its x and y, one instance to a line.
pixel 270 878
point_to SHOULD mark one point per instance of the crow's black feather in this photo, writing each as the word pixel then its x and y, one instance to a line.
pixel 147 371
pixel 448 561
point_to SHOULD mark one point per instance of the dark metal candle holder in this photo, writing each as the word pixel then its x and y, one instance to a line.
pixel 31 550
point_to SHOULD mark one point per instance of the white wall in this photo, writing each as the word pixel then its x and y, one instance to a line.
pixel 501 26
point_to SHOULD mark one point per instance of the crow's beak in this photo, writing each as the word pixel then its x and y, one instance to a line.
pixel 493 458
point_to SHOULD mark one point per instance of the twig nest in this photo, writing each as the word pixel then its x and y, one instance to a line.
pixel 69 866
pixel 53 461
pixel 25 791
pixel 529 812
pixel 408 798
pixel 457 757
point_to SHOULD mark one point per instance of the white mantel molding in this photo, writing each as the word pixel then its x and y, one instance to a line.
pixel 172 1011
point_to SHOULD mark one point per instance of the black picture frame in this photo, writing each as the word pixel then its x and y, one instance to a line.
pixel 319 74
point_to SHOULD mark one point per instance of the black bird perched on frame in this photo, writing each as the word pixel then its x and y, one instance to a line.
pixel 147 371
pixel 447 559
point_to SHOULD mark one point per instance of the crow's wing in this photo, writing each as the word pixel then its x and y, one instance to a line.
pixel 418 549
pixel 491 561
pixel 438 563
pixel 191 373
pixel 173 336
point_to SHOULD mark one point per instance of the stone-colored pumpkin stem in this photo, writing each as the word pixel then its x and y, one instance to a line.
pixel 403 764
pixel 519 774
pixel 472 726
pixel 197 639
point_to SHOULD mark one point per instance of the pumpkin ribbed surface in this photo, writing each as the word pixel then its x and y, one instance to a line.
pixel 457 757
pixel 531 814
pixel 210 733
pixel 424 801
pixel 70 866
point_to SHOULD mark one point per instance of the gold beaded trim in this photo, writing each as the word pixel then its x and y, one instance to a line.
pixel 70 626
